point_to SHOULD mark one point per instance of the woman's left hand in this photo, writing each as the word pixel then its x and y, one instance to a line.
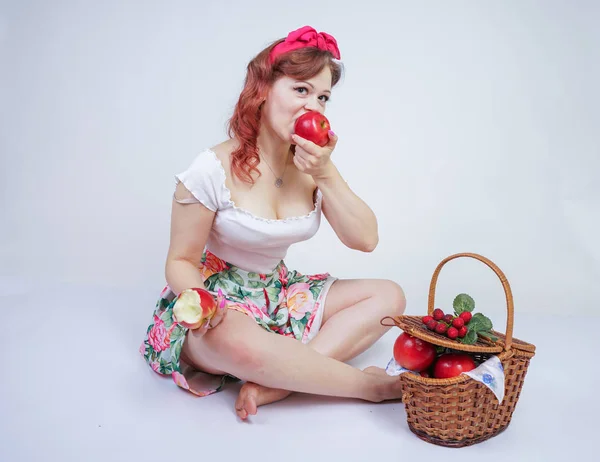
pixel 313 159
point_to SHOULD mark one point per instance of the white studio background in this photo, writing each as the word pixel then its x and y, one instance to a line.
pixel 468 127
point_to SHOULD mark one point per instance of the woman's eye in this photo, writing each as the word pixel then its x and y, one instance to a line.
pixel 304 91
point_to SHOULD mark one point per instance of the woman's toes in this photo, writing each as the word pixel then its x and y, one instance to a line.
pixel 245 403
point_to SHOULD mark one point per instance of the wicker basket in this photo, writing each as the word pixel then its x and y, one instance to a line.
pixel 460 411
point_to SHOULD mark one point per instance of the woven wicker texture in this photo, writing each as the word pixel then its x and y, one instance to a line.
pixel 460 411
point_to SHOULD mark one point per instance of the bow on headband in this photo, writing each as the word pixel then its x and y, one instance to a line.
pixel 306 37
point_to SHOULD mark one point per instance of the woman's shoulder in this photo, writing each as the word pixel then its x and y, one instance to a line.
pixel 223 151
pixel 205 177
pixel 212 162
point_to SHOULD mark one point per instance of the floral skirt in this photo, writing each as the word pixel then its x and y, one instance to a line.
pixel 282 302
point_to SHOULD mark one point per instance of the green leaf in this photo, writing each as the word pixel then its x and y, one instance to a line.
pixel 463 302
pixel 164 366
pixel 281 316
pixel 168 320
pixel 481 323
pixel 489 335
pixel 273 294
pixel 211 282
pixel 243 293
pixel 210 285
pixel 176 351
pixel 297 327
pixel 293 277
pixel 475 325
pixel 253 275
pixel 315 291
pixel 235 278
pixel 470 338
pixel 256 284
pixel 236 294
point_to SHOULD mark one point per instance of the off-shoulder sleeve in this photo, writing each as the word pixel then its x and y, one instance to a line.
pixel 203 179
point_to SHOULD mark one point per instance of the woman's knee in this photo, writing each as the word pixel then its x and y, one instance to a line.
pixel 394 297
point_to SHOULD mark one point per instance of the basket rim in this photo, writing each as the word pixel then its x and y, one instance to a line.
pixel 505 355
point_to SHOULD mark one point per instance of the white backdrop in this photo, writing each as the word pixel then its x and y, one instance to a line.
pixel 467 126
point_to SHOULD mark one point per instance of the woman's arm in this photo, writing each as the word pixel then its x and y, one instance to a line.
pixel 190 227
pixel 350 217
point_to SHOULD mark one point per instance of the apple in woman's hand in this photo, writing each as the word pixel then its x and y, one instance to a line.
pixel 452 365
pixel 194 307
pixel 313 126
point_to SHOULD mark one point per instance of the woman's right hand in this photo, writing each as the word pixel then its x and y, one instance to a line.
pixel 219 313
pixel 199 310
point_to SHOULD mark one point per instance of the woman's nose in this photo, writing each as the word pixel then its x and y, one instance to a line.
pixel 313 105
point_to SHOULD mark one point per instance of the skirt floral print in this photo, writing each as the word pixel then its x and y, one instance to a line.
pixel 282 302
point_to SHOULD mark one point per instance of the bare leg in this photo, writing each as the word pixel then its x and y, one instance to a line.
pixel 353 311
pixel 351 325
pixel 240 347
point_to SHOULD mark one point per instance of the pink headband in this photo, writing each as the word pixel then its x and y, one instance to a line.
pixel 306 37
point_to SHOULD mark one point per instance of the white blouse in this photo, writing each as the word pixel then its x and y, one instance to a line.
pixel 237 236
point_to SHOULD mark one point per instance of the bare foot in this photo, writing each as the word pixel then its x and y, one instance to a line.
pixel 252 395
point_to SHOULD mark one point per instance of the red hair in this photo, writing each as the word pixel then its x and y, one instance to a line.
pixel 301 64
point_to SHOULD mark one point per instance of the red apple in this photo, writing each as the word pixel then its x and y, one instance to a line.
pixel 314 127
pixel 194 307
pixel 452 365
pixel 413 353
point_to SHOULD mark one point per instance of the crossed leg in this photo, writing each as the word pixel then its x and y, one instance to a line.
pixel 240 347
pixel 351 324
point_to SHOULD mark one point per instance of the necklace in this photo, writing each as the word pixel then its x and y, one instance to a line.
pixel 278 179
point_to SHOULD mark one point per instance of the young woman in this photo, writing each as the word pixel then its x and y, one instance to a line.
pixel 236 210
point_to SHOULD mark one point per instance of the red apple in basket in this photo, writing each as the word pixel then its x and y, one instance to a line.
pixel 413 353
pixel 194 307
pixel 452 365
pixel 314 127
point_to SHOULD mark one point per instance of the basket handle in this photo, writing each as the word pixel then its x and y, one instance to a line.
pixel 503 280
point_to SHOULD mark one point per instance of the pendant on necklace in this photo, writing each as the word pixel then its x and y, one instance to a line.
pixel 278 183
